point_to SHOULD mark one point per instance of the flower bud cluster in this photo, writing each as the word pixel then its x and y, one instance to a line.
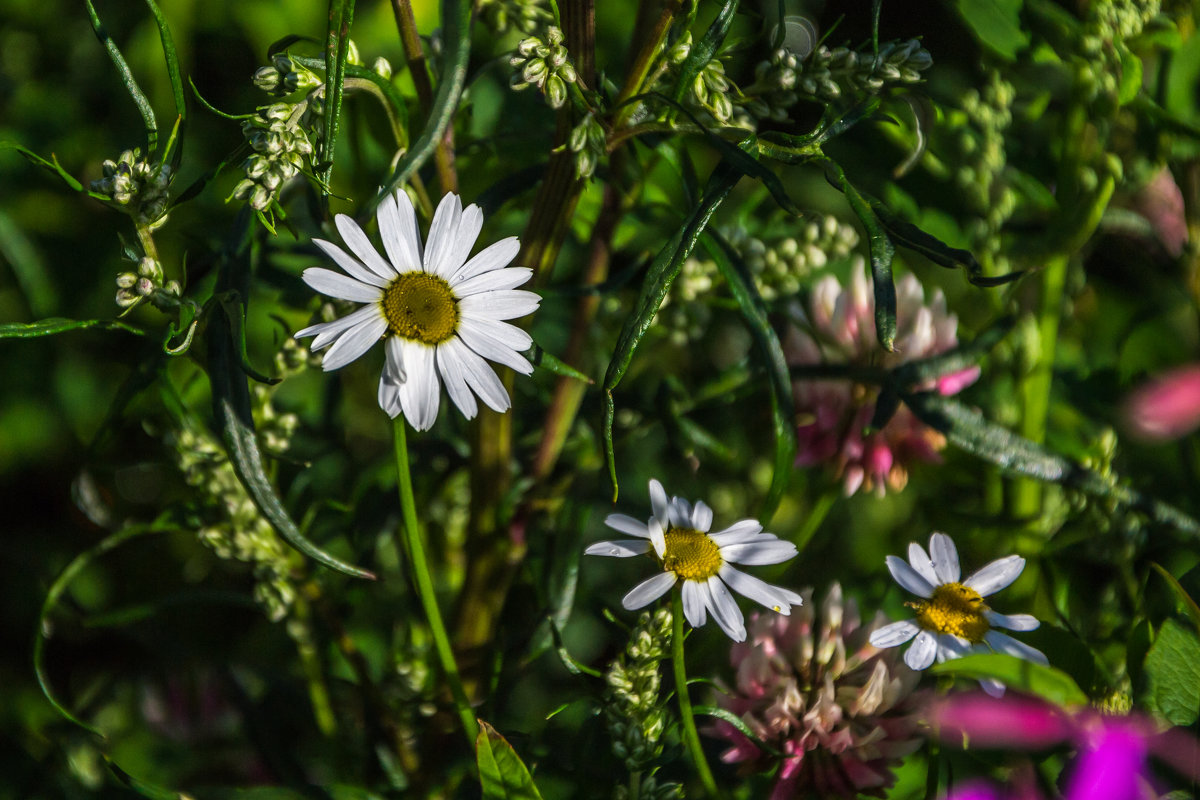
pixel 782 266
pixel 146 284
pixel 139 186
pixel 589 143
pixel 711 91
pixel 650 789
pixel 981 176
pixel 1126 18
pixel 527 16
pixel 544 64
pixel 632 707
pixel 284 76
pixel 281 148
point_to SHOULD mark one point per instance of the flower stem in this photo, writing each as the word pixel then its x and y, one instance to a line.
pixel 414 546
pixel 691 737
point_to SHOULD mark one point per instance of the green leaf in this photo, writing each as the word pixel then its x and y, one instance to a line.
pixel 1046 682
pixel 996 24
pixel 704 50
pixel 1173 669
pixel 173 74
pixel 147 790
pixel 131 84
pixel 501 772
pixel 1131 75
pixel 53 325
pixel 736 722
pixel 540 358
pixel 882 250
pixel 1189 604
pixel 52 165
pixel 770 352
pixel 337 49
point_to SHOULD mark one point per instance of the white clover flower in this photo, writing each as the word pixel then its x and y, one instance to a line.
pixel 678 534
pixel 437 312
pixel 953 620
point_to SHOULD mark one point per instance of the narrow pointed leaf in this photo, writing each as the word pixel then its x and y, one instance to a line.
pixel 53 325
pixel 172 58
pixel 501 772
pixel 337 49
pixel 882 251
pixel 540 358
pixel 704 50
pixel 131 84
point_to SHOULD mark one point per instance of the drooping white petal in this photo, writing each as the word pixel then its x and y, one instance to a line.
pixel 469 227
pixel 737 533
pixel 621 548
pixel 945 558
pixel 450 367
pixel 908 577
pixel 491 349
pixel 1003 643
pixel 343 287
pixel 326 332
pixel 775 598
pixel 679 511
pixel 349 264
pixel 353 343
pixel 894 634
pixel 922 652
pixel 649 590
pixel 951 647
pixel 769 551
pixel 439 246
pixel 503 304
pixel 996 575
pixel 659 504
pixel 725 609
pixel 492 257
pixel 658 536
pixel 391 378
pixel 702 517
pixel 693 603
pixel 922 563
pixel 493 281
pixel 398 229
pixel 356 239
pixel 508 335
pixel 483 381
pixel 1014 622
pixel 992 686
pixel 419 394
pixel 627 524
pixel 394 348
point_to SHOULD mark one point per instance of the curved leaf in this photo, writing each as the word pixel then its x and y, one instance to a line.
pixel 1040 680
pixel 882 251
pixel 53 325
pixel 540 358
pixel 337 50
pixel 131 84
pixel 703 51
pixel 501 772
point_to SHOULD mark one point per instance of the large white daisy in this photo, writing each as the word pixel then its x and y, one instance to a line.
pixel 438 313
pixel 677 533
pixel 952 619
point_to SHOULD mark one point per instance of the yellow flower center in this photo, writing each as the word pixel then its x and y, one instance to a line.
pixel 691 554
pixel 421 307
pixel 954 608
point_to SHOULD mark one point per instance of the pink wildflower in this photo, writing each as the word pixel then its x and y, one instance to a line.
pixel 1167 407
pixel 839 327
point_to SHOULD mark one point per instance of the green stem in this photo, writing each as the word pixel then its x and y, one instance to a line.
pixel 414 546
pixel 691 737
pixel 643 62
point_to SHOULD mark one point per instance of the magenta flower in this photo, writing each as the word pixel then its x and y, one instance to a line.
pixel 839 327
pixel 1167 407
pixel 1113 752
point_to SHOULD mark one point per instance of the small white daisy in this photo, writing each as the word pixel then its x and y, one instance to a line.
pixel 953 620
pixel 437 312
pixel 682 545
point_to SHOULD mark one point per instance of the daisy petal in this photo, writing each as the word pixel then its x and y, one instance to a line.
pixel 502 304
pixel 1003 643
pixel 391 378
pixel 725 609
pixel 335 284
pixel 450 366
pixel 492 281
pixel 737 533
pixel 908 577
pixel 658 536
pixel 398 229
pixel 702 517
pixel 922 563
pixel 922 652
pixel 996 575
pixel 326 332
pixel 349 265
pixel 679 511
pixel 627 524
pixel 353 343
pixel 483 381
pixel 469 227
pixel 493 257
pixel 951 647
pixel 992 686
pixel 894 634
pixel 419 395
pixel 439 245
pixel 361 246
pixel 945 558
pixel 492 350
pixel 621 548
pixel 658 502
pixel 1014 622
pixel 649 590
pixel 693 603
pixel 771 551
pixel 773 597
pixel 508 335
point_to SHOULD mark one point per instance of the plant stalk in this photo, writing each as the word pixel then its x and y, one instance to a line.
pixel 691 737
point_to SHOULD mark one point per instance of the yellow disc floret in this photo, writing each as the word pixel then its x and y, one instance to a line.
pixel 421 307
pixel 691 554
pixel 954 608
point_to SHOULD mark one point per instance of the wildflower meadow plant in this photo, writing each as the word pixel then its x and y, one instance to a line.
pixel 412 299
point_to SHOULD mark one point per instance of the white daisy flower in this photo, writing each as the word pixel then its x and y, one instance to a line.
pixel 438 313
pixel 953 620
pixel 678 535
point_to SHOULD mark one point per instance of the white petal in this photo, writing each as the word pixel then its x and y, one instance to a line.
pixel 508 335
pixel 1014 622
pixel 658 536
pixel 1003 643
pixel 894 634
pixel 353 343
pixel 679 512
pixel 922 652
pixel 483 381
pixel 771 551
pixel 725 609
pixel 491 349
pixel 627 524
pixel 775 598
pixel 494 256
pixel 391 378
pixel 439 246
pixel 659 503
pixel 464 240
pixel 739 532
pixel 951 647
pixel 945 558
pixel 922 563
pixel 395 359
pixel 361 246
pixel 649 590
pixel 992 686
pixel 694 598
pixel 398 229
pixel 450 366
pixel 996 575
pixel 908 577
pixel 621 548
pixel 493 281
pixel 326 332
pixel 349 264
pixel 343 287
pixel 702 517
pixel 419 394
pixel 503 304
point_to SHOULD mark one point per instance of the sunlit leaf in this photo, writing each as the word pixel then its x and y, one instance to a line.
pixel 501 772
